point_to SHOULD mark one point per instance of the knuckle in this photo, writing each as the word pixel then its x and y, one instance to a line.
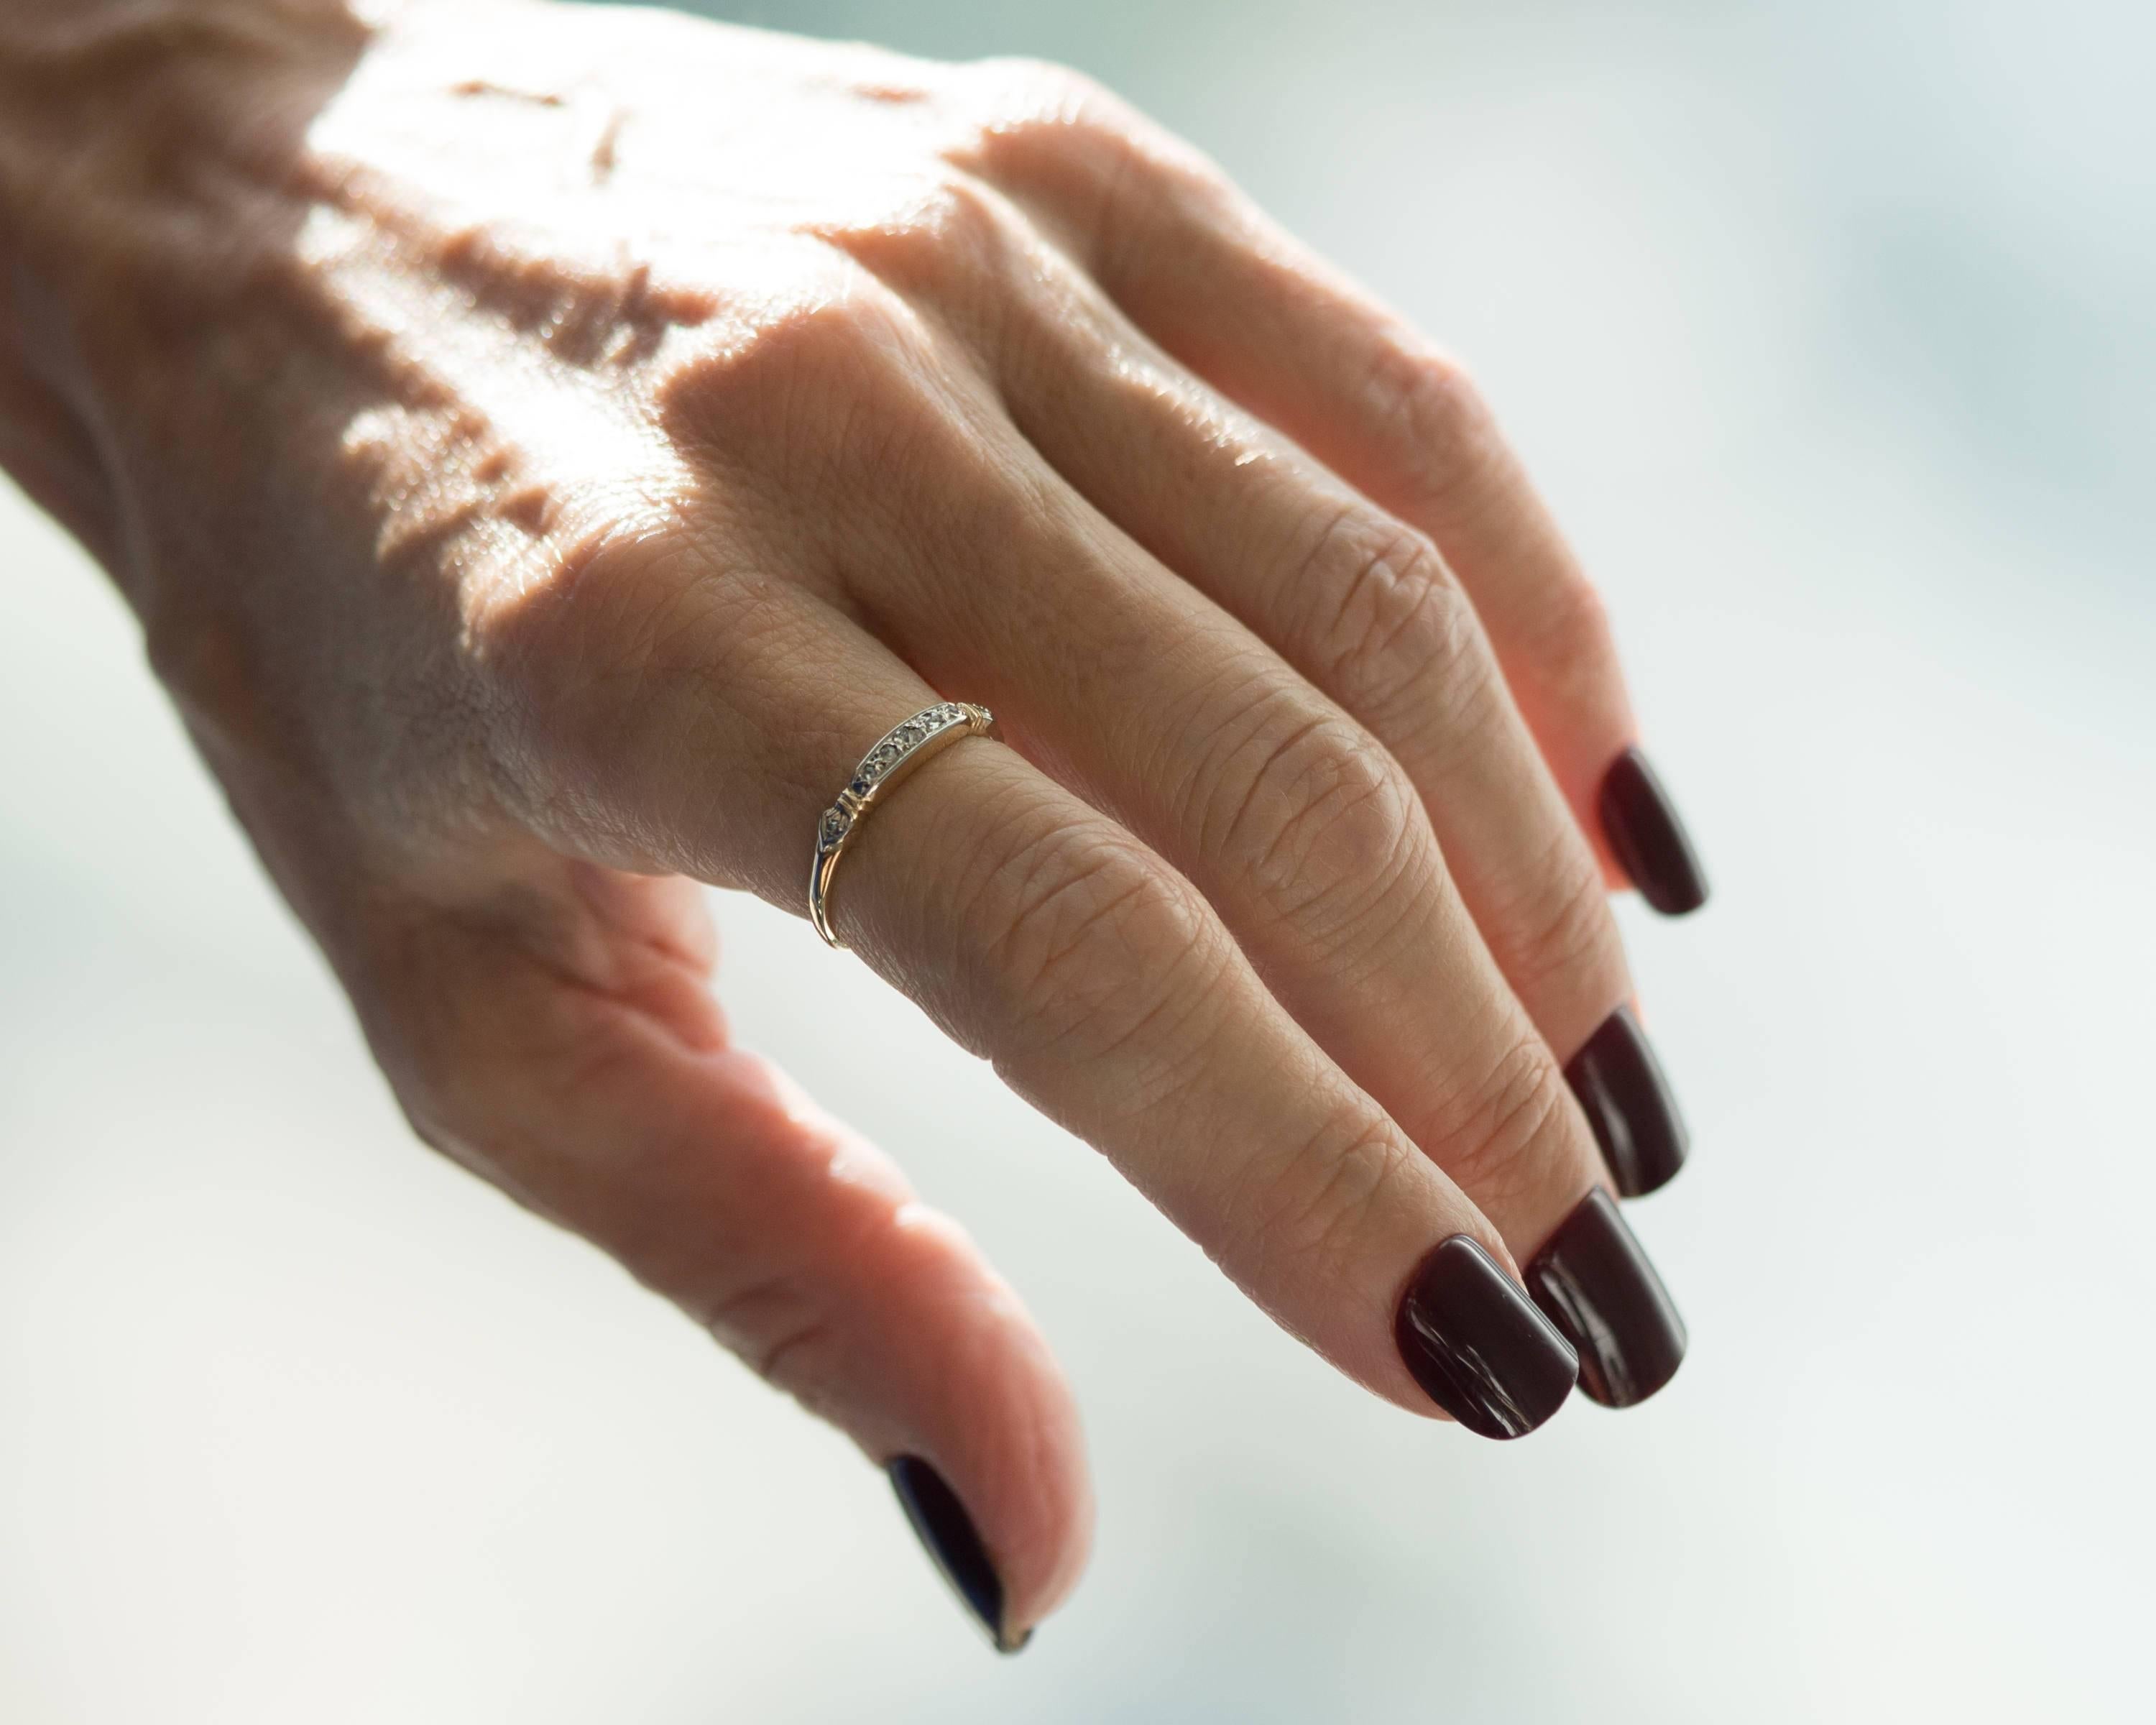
pixel 1562 937
pixel 1031 95
pixel 946 228
pixel 1436 408
pixel 588 603
pixel 1494 1135
pixel 800 374
pixel 1313 812
pixel 1058 132
pixel 1392 624
pixel 1095 945
pixel 1310 1212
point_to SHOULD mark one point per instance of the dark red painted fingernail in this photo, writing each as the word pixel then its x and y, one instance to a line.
pixel 1598 1287
pixel 1478 1345
pixel 1650 841
pixel 1627 1100
pixel 954 1542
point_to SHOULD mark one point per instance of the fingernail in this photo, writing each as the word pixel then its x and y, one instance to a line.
pixel 1478 1345
pixel 1598 1287
pixel 1650 841
pixel 943 1525
pixel 1627 1100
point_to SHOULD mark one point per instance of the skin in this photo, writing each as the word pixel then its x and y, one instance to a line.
pixel 546 446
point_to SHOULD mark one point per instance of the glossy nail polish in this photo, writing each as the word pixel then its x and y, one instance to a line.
pixel 1598 1287
pixel 943 1525
pixel 1478 1345
pixel 1650 841
pixel 1627 1100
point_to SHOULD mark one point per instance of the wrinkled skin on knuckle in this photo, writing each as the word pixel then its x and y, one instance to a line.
pixel 1554 937
pixel 1308 1213
pixel 1386 618
pixel 1406 646
pixel 1500 1134
pixel 1310 810
pixel 1094 944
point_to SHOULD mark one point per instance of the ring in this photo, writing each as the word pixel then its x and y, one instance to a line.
pixel 928 732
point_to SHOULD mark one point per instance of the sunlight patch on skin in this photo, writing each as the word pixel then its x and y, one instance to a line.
pixel 1213 421
pixel 474 443
pixel 540 129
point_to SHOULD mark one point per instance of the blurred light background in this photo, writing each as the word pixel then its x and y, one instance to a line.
pixel 1828 323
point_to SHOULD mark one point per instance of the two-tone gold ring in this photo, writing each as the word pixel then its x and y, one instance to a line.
pixel 904 747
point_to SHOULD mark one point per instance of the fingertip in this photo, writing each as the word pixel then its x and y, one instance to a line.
pixel 787 1235
pixel 1630 1107
pixel 1648 837
pixel 1478 1347
pixel 1004 1433
pixel 928 1359
pixel 954 1545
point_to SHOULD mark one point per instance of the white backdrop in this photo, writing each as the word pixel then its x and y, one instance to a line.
pixel 1828 326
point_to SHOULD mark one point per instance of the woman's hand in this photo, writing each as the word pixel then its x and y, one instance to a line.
pixel 546 445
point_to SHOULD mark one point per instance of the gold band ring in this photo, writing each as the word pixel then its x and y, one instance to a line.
pixel 928 732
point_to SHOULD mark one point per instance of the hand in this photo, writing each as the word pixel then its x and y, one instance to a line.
pixel 546 445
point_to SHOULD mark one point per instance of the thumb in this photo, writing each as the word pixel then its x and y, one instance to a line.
pixel 575 1059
